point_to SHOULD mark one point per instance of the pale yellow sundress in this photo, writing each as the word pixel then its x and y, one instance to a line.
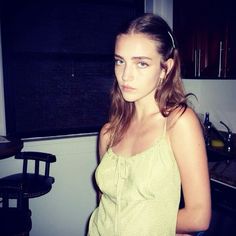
pixel 141 193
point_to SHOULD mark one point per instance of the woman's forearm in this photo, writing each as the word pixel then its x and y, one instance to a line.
pixel 192 220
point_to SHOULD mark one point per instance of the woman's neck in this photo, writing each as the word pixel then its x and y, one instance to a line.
pixel 145 110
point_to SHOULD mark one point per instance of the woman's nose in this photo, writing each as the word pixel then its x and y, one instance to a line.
pixel 127 73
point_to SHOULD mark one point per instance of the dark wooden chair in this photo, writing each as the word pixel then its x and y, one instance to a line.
pixel 35 183
pixel 14 219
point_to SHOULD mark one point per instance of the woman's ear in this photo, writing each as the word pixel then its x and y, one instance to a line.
pixel 168 66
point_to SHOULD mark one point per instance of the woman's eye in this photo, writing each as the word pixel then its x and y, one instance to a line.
pixel 142 64
pixel 119 62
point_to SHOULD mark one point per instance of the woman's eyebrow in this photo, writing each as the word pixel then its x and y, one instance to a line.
pixel 115 55
pixel 141 58
pixel 135 57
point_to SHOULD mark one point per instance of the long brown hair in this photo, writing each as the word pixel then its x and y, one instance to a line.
pixel 169 95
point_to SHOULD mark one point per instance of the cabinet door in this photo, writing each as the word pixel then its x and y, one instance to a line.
pixel 205 31
pixel 231 47
pixel 185 35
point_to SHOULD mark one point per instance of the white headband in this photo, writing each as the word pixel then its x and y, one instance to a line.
pixel 172 39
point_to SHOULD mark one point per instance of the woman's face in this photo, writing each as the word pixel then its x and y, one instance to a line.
pixel 137 66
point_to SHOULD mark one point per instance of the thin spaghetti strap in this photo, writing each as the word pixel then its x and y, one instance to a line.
pixel 164 128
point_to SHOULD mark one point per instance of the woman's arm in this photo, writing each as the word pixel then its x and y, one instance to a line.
pixel 103 141
pixel 102 146
pixel 189 149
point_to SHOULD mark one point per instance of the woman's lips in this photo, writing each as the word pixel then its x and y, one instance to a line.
pixel 127 88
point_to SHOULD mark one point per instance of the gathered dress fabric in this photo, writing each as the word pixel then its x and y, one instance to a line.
pixel 140 193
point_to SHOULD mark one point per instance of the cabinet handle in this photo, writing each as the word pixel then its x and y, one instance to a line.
pixel 195 62
pixel 199 62
pixel 220 60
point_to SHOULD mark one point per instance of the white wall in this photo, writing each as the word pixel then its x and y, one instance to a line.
pixel 216 97
pixel 2 108
pixel 164 8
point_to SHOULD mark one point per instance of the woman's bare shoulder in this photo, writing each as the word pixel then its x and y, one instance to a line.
pixel 182 118
pixel 186 134
pixel 104 138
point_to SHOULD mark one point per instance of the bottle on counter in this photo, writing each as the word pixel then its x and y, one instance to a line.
pixel 207 129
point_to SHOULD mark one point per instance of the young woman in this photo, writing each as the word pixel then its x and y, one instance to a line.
pixel 153 144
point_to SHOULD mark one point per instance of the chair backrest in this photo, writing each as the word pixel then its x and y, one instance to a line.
pixel 37 157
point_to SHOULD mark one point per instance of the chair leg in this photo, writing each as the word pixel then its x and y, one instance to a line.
pixel 25 203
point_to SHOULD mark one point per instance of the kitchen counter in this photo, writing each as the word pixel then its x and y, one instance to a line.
pixel 222 166
pixel 223 172
pixel 219 154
